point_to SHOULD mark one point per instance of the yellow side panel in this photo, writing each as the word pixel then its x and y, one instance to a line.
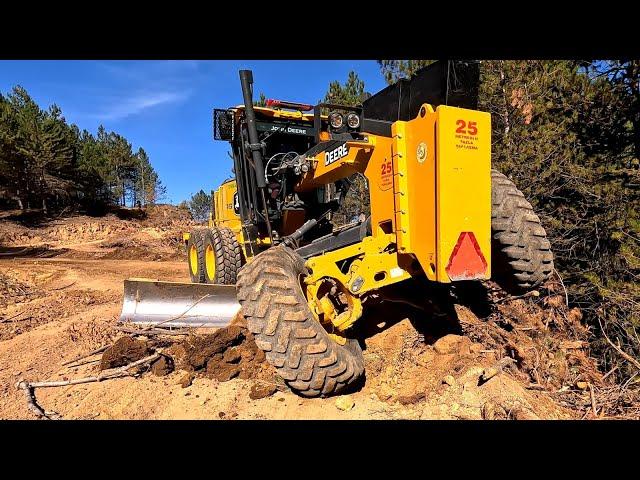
pixel 463 182
pixel 225 215
pixel 414 185
pixel 379 174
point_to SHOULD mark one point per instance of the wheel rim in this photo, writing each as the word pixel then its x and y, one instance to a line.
pixel 193 260
pixel 210 262
pixel 321 314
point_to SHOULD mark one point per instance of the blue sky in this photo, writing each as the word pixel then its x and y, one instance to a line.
pixel 165 106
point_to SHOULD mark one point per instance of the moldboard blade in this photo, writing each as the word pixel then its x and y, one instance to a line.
pixel 174 304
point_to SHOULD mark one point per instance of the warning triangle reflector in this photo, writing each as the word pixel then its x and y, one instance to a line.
pixel 467 261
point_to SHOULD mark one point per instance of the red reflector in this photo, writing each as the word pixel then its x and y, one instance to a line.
pixel 466 261
pixel 303 107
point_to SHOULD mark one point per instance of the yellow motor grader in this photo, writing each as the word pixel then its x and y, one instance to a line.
pixel 438 212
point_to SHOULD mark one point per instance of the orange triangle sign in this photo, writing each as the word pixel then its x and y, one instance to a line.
pixel 467 261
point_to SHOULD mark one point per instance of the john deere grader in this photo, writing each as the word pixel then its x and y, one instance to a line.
pixel 273 251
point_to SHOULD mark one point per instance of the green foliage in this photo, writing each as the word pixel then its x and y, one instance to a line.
pixel 46 162
pixel 394 70
pixel 200 205
pixel 262 102
pixel 350 94
pixel 565 132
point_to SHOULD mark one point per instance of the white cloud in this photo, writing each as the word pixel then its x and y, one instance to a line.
pixel 122 108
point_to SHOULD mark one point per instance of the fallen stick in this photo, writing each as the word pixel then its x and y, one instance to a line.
pixel 593 401
pixel 76 365
pixel 14 317
pixel 104 375
pixel 31 401
pixel 155 331
pixel 610 372
pixel 532 293
pixel 566 295
pixel 87 355
pixel 497 368
pixel 622 353
pixel 29 387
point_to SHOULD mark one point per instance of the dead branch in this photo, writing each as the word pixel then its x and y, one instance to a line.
pixel 87 355
pixel 155 331
pixel 104 375
pixel 532 293
pixel 29 387
pixel 622 353
pixel 31 401
pixel 497 368
pixel 14 318
pixel 76 365
pixel 593 401
pixel 566 295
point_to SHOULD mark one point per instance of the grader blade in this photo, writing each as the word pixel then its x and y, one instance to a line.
pixel 173 304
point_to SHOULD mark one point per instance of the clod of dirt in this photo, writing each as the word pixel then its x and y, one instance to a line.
pixel 228 353
pixel 262 390
pixel 124 351
pixel 232 356
pixel 186 380
pixel 452 344
pixel 411 399
pixel 221 371
pixel 199 349
pixel 163 366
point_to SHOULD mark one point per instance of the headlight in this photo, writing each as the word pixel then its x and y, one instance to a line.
pixel 336 120
pixel 353 120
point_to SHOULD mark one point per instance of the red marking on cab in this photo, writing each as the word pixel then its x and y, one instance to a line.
pixel 467 261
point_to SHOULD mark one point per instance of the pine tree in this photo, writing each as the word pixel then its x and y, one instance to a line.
pixel 200 206
pixel 350 94
pixel 394 70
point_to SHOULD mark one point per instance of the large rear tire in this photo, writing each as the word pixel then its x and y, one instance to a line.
pixel 521 253
pixel 222 256
pixel 195 256
pixel 295 343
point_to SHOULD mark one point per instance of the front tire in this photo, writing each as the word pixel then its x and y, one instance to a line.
pixel 222 256
pixel 521 253
pixel 195 256
pixel 295 343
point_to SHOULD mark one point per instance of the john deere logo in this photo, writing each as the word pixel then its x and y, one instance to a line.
pixel 336 154
pixel 236 204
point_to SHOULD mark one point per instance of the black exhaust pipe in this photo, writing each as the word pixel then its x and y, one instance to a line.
pixel 246 82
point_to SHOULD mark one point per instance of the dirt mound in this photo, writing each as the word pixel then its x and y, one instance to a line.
pixel 153 233
pixel 125 350
pixel 167 216
pixel 24 306
pixel 452 378
pixel 13 291
pixel 138 249
pixel 226 354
